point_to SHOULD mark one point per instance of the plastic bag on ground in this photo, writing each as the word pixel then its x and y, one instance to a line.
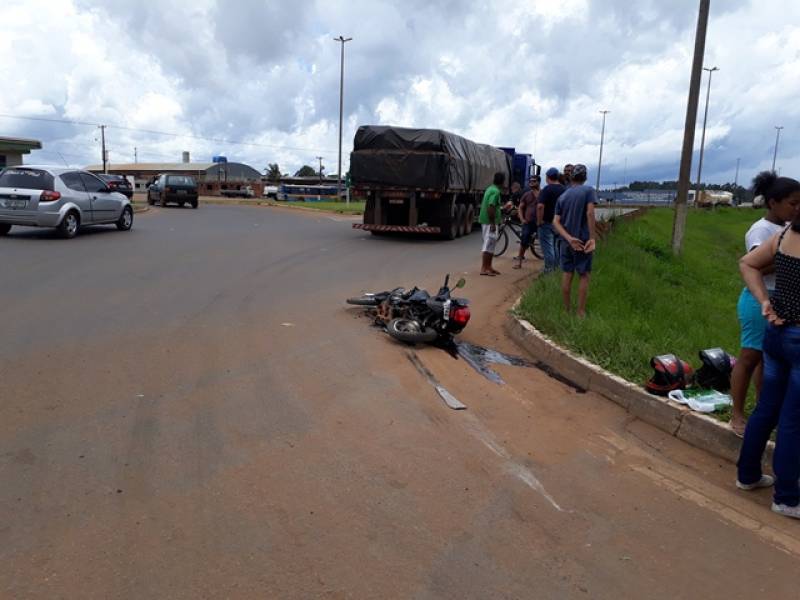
pixel 704 401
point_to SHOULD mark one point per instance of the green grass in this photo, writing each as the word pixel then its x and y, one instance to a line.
pixel 643 301
pixel 354 208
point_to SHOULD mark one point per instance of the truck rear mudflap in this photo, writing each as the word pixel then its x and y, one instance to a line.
pixel 398 228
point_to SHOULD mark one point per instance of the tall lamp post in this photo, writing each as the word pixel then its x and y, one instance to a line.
pixel 703 136
pixel 602 138
pixel 342 40
pixel 777 139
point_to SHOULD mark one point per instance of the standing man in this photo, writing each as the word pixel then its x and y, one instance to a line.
pixel 575 223
pixel 489 218
pixel 545 212
pixel 566 175
pixel 527 216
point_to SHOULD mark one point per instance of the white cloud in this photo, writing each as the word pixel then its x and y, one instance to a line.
pixel 518 73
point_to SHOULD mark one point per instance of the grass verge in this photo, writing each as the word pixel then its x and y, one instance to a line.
pixel 643 301
pixel 354 208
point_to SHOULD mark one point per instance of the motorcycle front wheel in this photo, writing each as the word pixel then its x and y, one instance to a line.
pixel 411 331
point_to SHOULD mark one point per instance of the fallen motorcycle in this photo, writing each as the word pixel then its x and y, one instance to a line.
pixel 414 316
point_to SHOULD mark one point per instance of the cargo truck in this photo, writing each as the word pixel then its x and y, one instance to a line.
pixel 426 180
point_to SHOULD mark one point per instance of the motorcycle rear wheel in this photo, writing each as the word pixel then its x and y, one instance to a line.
pixel 411 331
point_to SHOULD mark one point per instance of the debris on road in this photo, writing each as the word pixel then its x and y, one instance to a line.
pixel 448 398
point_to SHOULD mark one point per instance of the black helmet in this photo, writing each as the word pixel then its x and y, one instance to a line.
pixel 716 370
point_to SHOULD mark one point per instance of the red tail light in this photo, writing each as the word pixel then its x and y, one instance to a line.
pixel 49 196
pixel 461 316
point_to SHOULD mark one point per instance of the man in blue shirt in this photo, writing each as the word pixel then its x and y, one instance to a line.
pixel 575 223
pixel 545 213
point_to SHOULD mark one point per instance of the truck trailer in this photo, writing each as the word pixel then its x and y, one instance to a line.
pixel 426 180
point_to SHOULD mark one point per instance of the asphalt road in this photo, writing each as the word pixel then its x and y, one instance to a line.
pixel 188 410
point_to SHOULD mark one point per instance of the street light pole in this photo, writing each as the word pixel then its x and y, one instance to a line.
pixel 703 137
pixel 679 223
pixel 319 191
pixel 602 138
pixel 777 139
pixel 342 40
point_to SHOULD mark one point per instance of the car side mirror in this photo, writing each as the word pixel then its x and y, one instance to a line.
pixel 461 283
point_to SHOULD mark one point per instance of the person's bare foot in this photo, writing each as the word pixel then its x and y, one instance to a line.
pixel 738 425
pixel 517 263
pixel 581 314
pixel 488 273
pixel 495 272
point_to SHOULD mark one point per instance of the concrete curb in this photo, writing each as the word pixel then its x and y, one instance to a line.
pixel 140 209
pixel 694 428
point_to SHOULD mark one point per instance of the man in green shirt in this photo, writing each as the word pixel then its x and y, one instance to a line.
pixel 490 217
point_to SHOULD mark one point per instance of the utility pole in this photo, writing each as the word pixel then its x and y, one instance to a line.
pixel 319 191
pixel 103 147
pixel 135 154
pixel 343 40
pixel 703 137
pixel 777 139
pixel 679 223
pixel 319 158
pixel 602 137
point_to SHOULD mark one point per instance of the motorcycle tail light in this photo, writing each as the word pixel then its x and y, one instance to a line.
pixel 461 316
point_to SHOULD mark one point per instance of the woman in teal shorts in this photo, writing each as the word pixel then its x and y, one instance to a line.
pixel 781 201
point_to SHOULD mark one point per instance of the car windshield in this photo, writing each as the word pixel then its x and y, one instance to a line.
pixel 31 179
pixel 106 177
pixel 180 180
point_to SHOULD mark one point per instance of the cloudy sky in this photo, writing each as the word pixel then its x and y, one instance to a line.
pixel 530 73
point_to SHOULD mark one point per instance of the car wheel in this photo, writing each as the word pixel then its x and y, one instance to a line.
pixel 125 221
pixel 150 200
pixel 163 201
pixel 68 228
pixel 4 228
pixel 194 203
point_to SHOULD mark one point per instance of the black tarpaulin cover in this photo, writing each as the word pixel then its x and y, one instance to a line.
pixel 423 158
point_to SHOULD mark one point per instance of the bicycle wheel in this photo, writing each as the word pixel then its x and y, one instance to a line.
pixel 536 246
pixel 502 241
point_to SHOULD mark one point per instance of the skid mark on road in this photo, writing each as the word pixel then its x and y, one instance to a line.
pixel 521 472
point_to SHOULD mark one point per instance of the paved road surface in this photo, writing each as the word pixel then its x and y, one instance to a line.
pixel 189 411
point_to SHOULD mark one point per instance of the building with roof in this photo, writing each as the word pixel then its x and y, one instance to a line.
pixel 13 149
pixel 211 177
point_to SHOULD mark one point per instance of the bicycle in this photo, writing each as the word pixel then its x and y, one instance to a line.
pixel 516 228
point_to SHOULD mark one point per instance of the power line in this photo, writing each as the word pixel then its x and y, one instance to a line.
pixel 165 133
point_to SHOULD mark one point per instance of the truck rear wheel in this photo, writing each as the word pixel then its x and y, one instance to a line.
pixel 470 220
pixel 460 217
pixel 450 226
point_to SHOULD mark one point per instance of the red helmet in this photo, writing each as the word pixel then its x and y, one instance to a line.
pixel 671 373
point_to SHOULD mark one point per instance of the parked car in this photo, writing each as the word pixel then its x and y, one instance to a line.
pixel 59 197
pixel 178 189
pixel 118 183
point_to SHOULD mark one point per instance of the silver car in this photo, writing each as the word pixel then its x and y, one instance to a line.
pixel 59 197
